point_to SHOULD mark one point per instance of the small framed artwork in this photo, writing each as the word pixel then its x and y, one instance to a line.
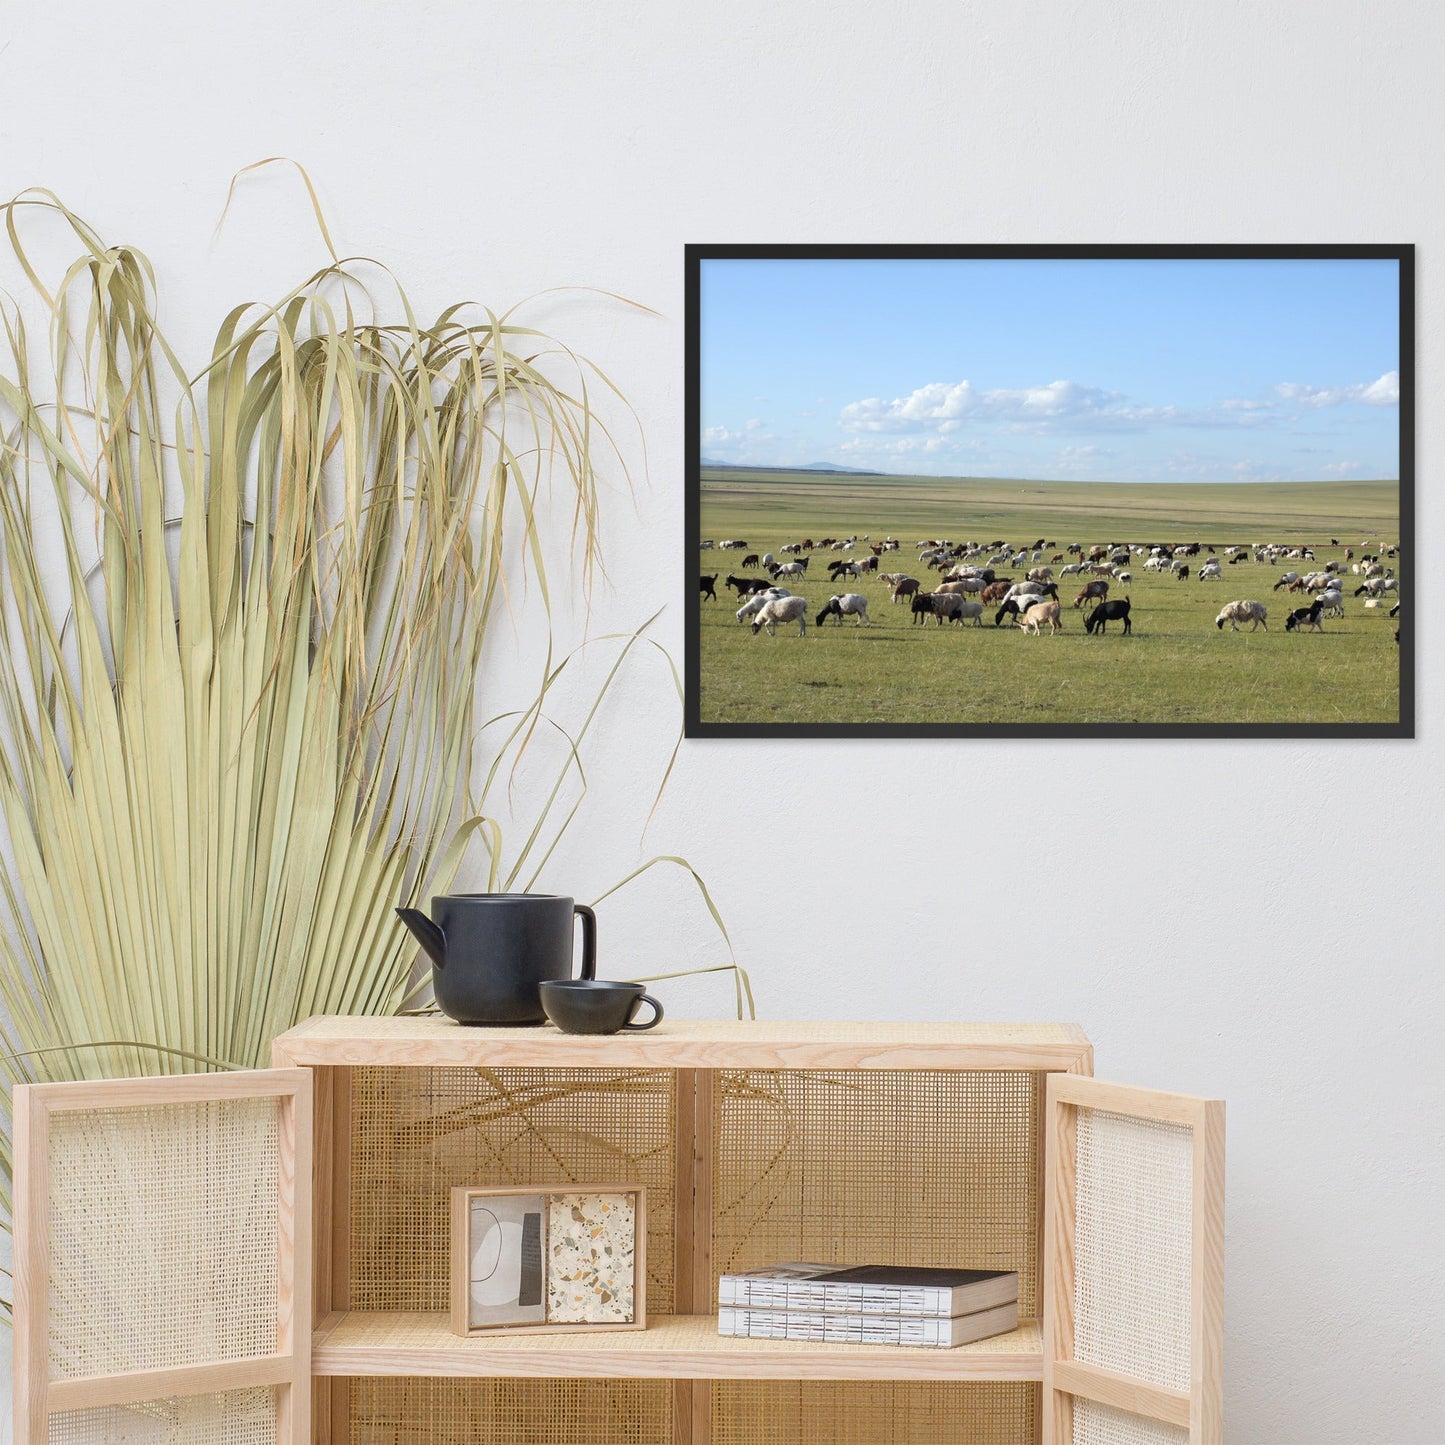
pixel 565 1260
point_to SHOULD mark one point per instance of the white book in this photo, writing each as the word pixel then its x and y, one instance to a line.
pixel 859 1329
pixel 873 1289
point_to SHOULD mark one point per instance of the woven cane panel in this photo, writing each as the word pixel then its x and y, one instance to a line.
pixel 878 1167
pixel 1132 1246
pixel 163 1243
pixel 766 1412
pixel 236 1417
pixel 418 1132
pixel 1096 1424
pixel 412 1411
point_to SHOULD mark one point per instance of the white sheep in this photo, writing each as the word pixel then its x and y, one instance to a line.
pixel 782 609
pixel 756 602
pixel 1024 589
pixel 846 604
pixel 1236 612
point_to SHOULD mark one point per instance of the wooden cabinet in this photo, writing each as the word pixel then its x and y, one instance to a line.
pixel 980 1144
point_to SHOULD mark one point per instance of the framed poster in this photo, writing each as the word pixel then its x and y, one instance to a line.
pixel 1110 491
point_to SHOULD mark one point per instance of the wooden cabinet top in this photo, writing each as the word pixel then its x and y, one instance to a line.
pixel 436 1042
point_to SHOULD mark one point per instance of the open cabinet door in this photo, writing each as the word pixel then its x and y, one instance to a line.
pixel 162 1260
pixel 1133 1266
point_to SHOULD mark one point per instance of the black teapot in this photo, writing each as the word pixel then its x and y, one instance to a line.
pixel 490 951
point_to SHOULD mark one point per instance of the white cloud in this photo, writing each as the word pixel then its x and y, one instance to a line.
pixel 1087 458
pixel 1384 391
pixel 944 407
pixel 753 424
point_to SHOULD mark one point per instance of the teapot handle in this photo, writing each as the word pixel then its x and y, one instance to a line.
pixel 589 940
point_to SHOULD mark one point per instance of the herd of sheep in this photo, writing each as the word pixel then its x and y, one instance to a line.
pixel 969 581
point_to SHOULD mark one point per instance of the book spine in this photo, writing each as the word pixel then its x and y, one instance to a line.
pixel 834 1328
pixel 743 1292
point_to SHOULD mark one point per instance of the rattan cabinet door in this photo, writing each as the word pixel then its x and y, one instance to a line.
pixel 1133 1266
pixel 162 1260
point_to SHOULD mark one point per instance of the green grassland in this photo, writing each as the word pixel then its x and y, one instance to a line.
pixel 1176 668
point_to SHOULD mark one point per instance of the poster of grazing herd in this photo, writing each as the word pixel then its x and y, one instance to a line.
pixel 1043 491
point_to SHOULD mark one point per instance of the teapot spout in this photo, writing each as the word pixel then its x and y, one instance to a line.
pixel 426 933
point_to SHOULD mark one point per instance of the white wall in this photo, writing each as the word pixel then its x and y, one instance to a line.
pixel 493 151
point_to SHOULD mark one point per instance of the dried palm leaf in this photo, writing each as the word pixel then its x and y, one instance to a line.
pixel 242 615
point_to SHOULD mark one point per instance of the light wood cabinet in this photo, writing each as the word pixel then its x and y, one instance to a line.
pixel 986 1145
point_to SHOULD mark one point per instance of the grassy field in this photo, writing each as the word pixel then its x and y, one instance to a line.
pixel 1176 668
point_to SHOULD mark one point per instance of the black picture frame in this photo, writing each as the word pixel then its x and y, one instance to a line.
pixel 694 257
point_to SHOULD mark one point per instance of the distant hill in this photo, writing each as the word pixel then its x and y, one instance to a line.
pixel 811 467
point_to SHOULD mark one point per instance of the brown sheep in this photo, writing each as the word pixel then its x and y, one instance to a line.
pixel 1040 613
pixel 965 584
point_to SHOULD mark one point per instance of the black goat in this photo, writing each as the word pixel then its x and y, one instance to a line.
pixel 746 586
pixel 751 560
pixel 1107 612
pixel 1303 617
pixel 707 587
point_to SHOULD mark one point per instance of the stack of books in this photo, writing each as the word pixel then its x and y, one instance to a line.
pixel 872 1304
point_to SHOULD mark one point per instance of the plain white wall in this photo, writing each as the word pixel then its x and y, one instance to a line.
pixel 1258 921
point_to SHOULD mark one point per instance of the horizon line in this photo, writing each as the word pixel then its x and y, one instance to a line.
pixel 814 470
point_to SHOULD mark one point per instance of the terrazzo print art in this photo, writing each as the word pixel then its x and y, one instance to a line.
pixel 591 1264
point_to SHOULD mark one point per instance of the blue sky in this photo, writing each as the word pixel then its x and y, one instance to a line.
pixel 1081 370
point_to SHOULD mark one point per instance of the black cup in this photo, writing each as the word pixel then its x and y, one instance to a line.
pixel 595 1006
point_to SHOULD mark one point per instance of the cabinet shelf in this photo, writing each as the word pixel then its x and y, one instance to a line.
pixel 434 1042
pixel 672 1347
